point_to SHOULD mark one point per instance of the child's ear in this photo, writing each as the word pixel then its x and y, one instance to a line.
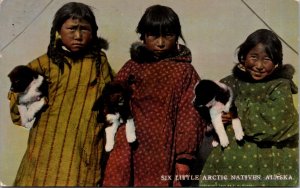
pixel 142 38
pixel 242 59
pixel 57 35
pixel 241 66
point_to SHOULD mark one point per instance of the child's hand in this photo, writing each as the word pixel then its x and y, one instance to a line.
pixel 226 117
pixel 182 171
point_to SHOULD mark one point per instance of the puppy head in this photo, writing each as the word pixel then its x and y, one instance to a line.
pixel 205 91
pixel 20 78
pixel 117 95
pixel 115 98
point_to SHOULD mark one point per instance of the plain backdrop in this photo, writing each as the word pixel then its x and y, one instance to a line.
pixel 212 29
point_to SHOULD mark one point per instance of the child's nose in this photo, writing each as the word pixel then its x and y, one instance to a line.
pixel 161 42
pixel 259 64
pixel 77 34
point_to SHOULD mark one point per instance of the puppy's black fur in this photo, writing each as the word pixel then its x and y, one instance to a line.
pixel 212 99
pixel 21 77
pixel 114 109
pixel 115 98
pixel 206 91
pixel 32 92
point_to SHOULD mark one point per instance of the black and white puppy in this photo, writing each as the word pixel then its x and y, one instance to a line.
pixel 213 98
pixel 114 108
pixel 32 90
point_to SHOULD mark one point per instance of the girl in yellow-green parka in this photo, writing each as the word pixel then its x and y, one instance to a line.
pixel 65 143
pixel 263 89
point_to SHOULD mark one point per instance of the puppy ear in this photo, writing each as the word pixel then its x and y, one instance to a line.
pixel 205 91
pixel 98 104
pixel 222 95
pixel 22 71
pixel 131 79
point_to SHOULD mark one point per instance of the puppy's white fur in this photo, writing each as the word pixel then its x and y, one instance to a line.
pixel 30 102
pixel 215 111
pixel 111 131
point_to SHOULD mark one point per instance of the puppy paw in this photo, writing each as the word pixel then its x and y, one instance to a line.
pixel 131 138
pixel 29 124
pixel 214 143
pixel 224 141
pixel 239 135
pixel 25 121
pixel 130 131
pixel 30 115
pixel 108 147
pixel 238 130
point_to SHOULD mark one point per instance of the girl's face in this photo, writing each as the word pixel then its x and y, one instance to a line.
pixel 76 34
pixel 160 44
pixel 258 63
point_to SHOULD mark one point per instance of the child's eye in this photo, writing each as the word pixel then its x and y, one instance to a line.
pixel 86 29
pixel 152 36
pixel 267 59
pixel 170 35
pixel 72 28
pixel 253 57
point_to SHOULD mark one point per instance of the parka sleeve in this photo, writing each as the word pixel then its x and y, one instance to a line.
pixel 13 108
pixel 271 118
pixel 189 127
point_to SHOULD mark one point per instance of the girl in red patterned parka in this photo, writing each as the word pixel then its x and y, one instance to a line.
pixel 168 128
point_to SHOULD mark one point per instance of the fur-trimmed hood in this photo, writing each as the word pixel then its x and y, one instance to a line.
pixel 286 71
pixel 103 43
pixel 141 54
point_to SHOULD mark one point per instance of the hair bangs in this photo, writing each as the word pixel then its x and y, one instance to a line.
pixel 74 10
pixel 159 20
pixel 159 25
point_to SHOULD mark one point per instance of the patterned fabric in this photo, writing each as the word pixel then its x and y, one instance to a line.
pixel 268 156
pixel 167 125
pixel 65 144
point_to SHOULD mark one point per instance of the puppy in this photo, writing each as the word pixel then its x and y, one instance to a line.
pixel 114 109
pixel 213 98
pixel 32 89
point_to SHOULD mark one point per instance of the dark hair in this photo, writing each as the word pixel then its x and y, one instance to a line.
pixel 75 10
pixel 270 41
pixel 79 11
pixel 159 19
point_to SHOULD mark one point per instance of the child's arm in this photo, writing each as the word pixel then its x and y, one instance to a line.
pixel 189 127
